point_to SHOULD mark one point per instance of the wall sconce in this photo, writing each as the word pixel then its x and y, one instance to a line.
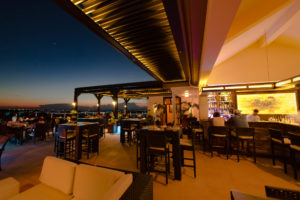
pixel 74 104
pixel 114 103
pixel 98 105
pixel 186 94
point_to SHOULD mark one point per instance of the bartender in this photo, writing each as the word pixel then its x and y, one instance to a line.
pixel 253 117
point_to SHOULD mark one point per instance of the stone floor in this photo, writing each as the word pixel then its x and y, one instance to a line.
pixel 215 176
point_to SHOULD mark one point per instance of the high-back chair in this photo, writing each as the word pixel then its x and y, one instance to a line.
pixel 282 142
pixel 157 146
pixel 220 133
pixel 40 130
pixel 245 134
pixel 294 149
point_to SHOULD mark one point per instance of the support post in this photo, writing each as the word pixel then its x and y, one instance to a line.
pixel 126 100
pixel 76 95
pixel 115 98
pixel 99 97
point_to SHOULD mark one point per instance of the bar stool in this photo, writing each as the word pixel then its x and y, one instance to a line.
pixel 90 139
pixel 294 148
pixel 199 133
pixel 188 145
pixel 157 146
pixel 65 142
pixel 218 133
pixel 282 142
pixel 241 135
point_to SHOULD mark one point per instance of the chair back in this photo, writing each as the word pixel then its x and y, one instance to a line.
pixel 40 129
pixel 245 131
pixel 93 129
pixel 275 133
pixel 220 130
pixel 156 139
pixel 295 138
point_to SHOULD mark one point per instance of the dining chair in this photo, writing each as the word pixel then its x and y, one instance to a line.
pixel 283 143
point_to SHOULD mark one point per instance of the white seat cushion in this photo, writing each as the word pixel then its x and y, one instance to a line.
pixel 9 187
pixel 91 183
pixel 186 142
pixel 41 192
pixel 58 174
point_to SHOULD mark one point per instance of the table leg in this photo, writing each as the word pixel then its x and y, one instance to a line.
pixel 143 154
pixel 176 157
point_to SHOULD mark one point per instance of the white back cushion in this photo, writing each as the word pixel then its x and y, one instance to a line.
pixel 91 183
pixel 58 173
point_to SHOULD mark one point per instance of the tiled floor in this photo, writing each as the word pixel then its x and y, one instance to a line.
pixel 215 176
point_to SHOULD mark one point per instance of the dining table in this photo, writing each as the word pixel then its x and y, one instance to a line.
pixel 18 128
pixel 78 127
pixel 173 133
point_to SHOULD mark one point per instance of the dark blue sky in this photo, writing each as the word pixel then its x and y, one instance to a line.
pixel 45 54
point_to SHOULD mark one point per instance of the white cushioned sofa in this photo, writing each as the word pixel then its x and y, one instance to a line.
pixel 64 180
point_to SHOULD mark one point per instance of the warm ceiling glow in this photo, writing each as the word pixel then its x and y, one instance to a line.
pixel 261 86
pixel 236 87
pixel 283 83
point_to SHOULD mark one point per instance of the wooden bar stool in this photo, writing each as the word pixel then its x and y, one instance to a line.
pixel 220 133
pixel 294 149
pixel 241 135
pixel 65 142
pixel 188 145
pixel 278 140
pixel 157 146
pixel 90 139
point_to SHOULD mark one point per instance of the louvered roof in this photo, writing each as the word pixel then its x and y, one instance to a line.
pixel 138 28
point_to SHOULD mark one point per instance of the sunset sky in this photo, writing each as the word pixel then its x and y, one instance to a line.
pixel 45 54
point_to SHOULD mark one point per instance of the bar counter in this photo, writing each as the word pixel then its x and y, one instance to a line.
pixel 262 137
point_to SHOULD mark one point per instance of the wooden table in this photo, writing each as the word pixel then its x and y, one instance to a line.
pixel 174 134
pixel 78 127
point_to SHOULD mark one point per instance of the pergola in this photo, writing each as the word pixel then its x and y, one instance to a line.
pixel 126 91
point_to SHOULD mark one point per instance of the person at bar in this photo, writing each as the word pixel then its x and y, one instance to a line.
pixel 218 120
pixel 238 121
pixel 253 117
